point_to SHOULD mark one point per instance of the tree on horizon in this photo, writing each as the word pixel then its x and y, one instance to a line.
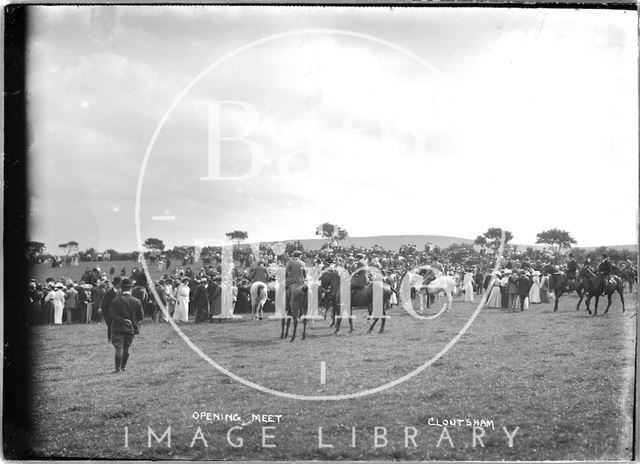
pixel 331 232
pixel 238 236
pixel 70 248
pixel 153 244
pixel 492 237
pixel 557 239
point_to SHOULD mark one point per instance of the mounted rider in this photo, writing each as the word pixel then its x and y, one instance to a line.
pixel 572 268
pixel 604 268
pixel 259 273
pixel 295 273
pixel 360 278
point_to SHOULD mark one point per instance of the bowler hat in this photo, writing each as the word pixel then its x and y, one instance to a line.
pixel 127 283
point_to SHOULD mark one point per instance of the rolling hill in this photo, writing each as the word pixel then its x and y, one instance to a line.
pixel 393 242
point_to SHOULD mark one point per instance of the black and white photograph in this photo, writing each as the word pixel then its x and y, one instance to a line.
pixel 306 233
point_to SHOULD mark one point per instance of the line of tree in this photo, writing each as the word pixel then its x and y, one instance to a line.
pixel 556 241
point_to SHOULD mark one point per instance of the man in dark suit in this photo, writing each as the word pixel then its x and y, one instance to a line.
pixel 524 284
pixel 105 304
pixel 200 301
pixel 125 313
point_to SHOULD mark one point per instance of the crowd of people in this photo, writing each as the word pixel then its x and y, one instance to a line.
pixel 200 293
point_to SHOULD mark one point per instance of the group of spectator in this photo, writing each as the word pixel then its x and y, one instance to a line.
pixel 189 291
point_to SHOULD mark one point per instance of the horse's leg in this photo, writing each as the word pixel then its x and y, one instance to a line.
pixel 338 321
pixel 373 324
pixel 282 332
pixel 581 295
pixel 608 302
pixel 350 320
pixel 333 315
pixel 384 319
pixel 587 301
pixel 304 329
pixel 555 305
pixel 295 326
pixel 621 291
pixel 449 301
pixel 595 309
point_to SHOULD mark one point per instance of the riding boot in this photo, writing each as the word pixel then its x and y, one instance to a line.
pixel 118 361
pixel 125 358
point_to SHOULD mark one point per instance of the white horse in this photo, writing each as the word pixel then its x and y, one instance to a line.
pixel 258 294
pixel 441 284
pixel 446 284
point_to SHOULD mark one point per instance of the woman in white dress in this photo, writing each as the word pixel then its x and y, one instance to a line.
pixel 57 298
pixel 495 294
pixel 467 285
pixel 534 292
pixel 181 313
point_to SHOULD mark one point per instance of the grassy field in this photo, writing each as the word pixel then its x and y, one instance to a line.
pixel 564 379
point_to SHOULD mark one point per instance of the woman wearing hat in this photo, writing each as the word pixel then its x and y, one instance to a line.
pixel 57 298
pixel 534 292
pixel 468 286
pixel 495 294
pixel 181 313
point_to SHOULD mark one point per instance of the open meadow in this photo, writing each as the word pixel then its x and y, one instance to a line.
pixel 564 380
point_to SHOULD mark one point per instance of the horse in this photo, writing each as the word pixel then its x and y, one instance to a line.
pixel 428 285
pixel 258 296
pixel 142 294
pixel 329 295
pixel 362 297
pixel 91 277
pixel 596 286
pixel 297 299
pixel 446 284
pixel 560 283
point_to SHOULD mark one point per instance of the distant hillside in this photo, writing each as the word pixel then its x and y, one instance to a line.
pixel 393 242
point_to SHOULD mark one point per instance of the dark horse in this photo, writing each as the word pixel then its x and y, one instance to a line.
pixel 559 283
pixel 297 299
pixel 363 298
pixel 597 285
pixel 91 277
pixel 142 294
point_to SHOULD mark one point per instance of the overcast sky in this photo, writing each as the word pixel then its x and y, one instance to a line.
pixel 402 121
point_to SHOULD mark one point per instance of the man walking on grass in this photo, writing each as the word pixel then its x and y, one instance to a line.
pixel 125 314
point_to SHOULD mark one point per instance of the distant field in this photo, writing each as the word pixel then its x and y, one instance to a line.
pixel 565 379
pixel 40 272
